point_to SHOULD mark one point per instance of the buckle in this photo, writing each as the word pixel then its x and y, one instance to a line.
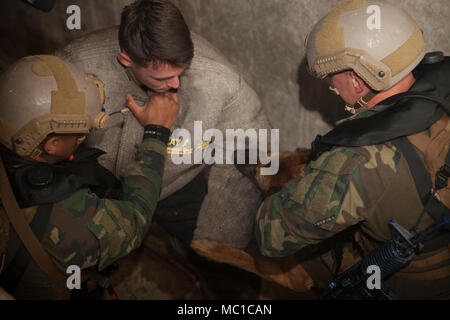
pixel 442 177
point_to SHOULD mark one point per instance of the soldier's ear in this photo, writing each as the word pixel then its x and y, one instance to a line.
pixel 51 145
pixel 124 59
pixel 358 84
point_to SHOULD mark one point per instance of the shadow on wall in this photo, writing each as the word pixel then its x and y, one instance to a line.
pixel 315 96
pixel 25 30
pixel 21 34
pixel 18 41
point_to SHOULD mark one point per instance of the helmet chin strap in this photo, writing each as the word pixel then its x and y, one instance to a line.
pixel 360 103
pixel 47 157
pixel 52 159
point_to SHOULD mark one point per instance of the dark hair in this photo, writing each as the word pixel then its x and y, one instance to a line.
pixel 155 31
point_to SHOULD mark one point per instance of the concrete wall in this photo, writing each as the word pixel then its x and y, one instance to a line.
pixel 264 38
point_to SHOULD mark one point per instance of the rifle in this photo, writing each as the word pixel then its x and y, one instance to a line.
pixel 390 257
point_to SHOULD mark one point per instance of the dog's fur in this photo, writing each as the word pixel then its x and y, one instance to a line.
pixel 291 166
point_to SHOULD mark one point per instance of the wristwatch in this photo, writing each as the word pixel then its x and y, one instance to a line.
pixel 157 132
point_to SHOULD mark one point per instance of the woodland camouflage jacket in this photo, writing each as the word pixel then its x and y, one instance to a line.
pixel 87 231
pixel 343 187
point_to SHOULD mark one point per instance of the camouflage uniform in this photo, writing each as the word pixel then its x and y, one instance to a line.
pixel 371 184
pixel 346 186
pixel 88 231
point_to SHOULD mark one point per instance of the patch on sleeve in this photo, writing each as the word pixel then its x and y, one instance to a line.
pixel 323 188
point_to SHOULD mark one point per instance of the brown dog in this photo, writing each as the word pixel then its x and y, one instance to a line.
pixel 291 166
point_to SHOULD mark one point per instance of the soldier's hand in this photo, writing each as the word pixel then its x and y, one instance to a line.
pixel 161 109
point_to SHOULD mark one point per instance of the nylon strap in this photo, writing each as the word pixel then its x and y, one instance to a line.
pixel 24 231
pixel 418 171
pixel 422 179
pixel 423 183
pixel 11 277
pixel 67 99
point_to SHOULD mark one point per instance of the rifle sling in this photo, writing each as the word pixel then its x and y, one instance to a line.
pixel 24 231
pixel 11 276
pixel 423 183
pixel 417 169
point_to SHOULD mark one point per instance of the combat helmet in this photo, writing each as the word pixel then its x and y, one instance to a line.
pixel 379 42
pixel 41 95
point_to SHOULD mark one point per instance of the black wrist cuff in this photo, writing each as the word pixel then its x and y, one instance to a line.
pixel 157 132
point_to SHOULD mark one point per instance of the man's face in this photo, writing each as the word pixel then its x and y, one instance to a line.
pixel 67 145
pixel 157 77
pixel 61 146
